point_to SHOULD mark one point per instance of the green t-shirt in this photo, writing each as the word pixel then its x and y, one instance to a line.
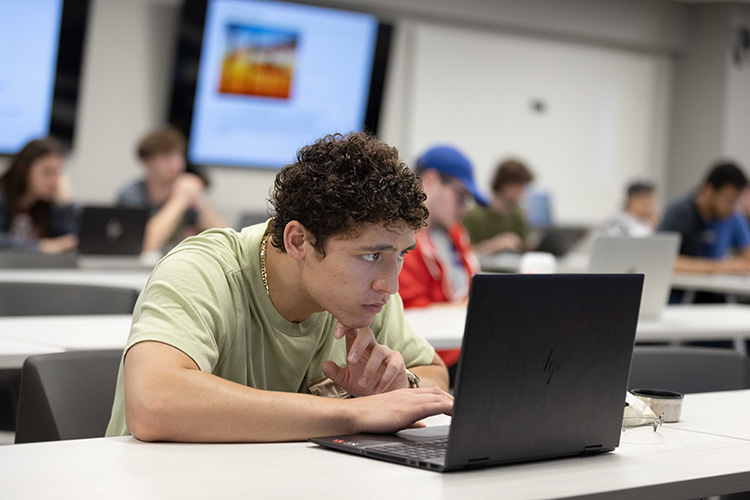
pixel 207 299
pixel 482 223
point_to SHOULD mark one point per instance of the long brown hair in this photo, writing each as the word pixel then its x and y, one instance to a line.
pixel 14 183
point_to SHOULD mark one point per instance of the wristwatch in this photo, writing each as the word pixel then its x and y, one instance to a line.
pixel 413 379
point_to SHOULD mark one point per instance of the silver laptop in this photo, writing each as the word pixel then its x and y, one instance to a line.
pixel 111 236
pixel 653 256
pixel 543 374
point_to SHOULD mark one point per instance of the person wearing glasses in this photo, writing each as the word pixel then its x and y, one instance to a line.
pixel 442 264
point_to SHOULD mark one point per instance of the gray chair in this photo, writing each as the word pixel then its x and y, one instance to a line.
pixel 689 369
pixel 252 218
pixel 45 299
pixel 66 395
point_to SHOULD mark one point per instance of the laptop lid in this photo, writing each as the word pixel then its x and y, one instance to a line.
pixel 543 372
pixel 653 256
pixel 559 240
pixel 112 230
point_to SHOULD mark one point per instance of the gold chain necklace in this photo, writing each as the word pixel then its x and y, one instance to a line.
pixel 263 271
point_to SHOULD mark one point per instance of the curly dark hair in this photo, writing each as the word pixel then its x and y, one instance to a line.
pixel 339 183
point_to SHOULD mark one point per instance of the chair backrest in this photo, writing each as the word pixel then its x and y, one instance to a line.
pixel 66 395
pixel 36 260
pixel 689 369
pixel 45 299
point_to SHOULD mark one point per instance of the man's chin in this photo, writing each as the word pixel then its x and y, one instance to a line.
pixel 361 321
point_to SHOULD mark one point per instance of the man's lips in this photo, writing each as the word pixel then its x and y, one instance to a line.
pixel 376 307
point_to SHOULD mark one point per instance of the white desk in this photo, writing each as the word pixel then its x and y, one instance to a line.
pixel 29 335
pixel 124 278
pixel 720 413
pixel 730 284
pixel 679 465
pixel 14 352
pixel 443 325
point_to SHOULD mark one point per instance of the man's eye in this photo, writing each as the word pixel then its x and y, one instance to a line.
pixel 402 255
pixel 371 257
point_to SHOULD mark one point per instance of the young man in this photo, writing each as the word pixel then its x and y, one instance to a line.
pixel 639 218
pixel 236 333
pixel 501 226
pixel 710 225
pixel 177 199
pixel 441 266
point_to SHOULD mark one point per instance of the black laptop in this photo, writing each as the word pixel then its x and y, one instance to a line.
pixel 112 231
pixel 543 374
pixel 559 240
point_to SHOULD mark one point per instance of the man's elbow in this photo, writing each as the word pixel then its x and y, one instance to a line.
pixel 148 420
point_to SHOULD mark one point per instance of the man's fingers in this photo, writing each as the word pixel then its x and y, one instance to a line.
pixel 357 342
pixel 339 330
pixel 376 357
pixel 334 372
pixel 394 367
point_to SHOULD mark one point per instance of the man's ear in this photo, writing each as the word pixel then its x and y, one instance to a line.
pixel 295 237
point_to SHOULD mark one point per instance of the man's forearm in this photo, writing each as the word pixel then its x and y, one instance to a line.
pixel 208 215
pixel 161 226
pixel 434 375
pixel 168 399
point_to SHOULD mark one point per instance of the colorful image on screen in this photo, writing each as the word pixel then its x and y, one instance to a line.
pixel 259 61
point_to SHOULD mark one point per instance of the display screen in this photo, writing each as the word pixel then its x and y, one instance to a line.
pixel 41 43
pixel 275 76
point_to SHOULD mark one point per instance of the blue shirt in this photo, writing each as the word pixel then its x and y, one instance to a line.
pixel 700 238
pixel 721 236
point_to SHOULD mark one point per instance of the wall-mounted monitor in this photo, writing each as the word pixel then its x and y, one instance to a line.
pixel 257 80
pixel 41 50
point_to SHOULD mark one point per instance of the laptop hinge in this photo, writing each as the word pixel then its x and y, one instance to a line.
pixel 593 450
pixel 477 462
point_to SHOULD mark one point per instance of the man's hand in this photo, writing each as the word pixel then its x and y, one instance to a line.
pixel 735 265
pixel 398 410
pixel 59 244
pixel 188 187
pixel 371 368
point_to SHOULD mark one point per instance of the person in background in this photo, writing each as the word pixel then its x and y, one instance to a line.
pixel 178 201
pixel 442 264
pixel 639 217
pixel 501 225
pixel 36 212
pixel 238 336
pixel 715 237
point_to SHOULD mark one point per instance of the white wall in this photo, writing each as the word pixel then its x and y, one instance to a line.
pixel 711 117
pixel 128 66
pixel 736 143
pixel 475 89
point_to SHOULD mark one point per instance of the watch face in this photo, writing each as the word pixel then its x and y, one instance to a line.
pixel 413 379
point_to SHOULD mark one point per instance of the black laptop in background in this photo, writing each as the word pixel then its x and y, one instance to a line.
pixel 112 232
pixel 559 240
pixel 543 374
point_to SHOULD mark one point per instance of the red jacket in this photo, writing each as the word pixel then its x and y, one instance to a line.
pixel 423 282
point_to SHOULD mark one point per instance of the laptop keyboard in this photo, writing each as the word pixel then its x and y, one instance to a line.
pixel 432 449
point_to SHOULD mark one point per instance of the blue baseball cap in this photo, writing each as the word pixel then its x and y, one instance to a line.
pixel 451 162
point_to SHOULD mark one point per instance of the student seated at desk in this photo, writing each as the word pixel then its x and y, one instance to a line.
pixel 638 218
pixel 177 199
pixel 710 225
pixel 36 213
pixel 237 334
pixel 501 225
pixel 442 264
